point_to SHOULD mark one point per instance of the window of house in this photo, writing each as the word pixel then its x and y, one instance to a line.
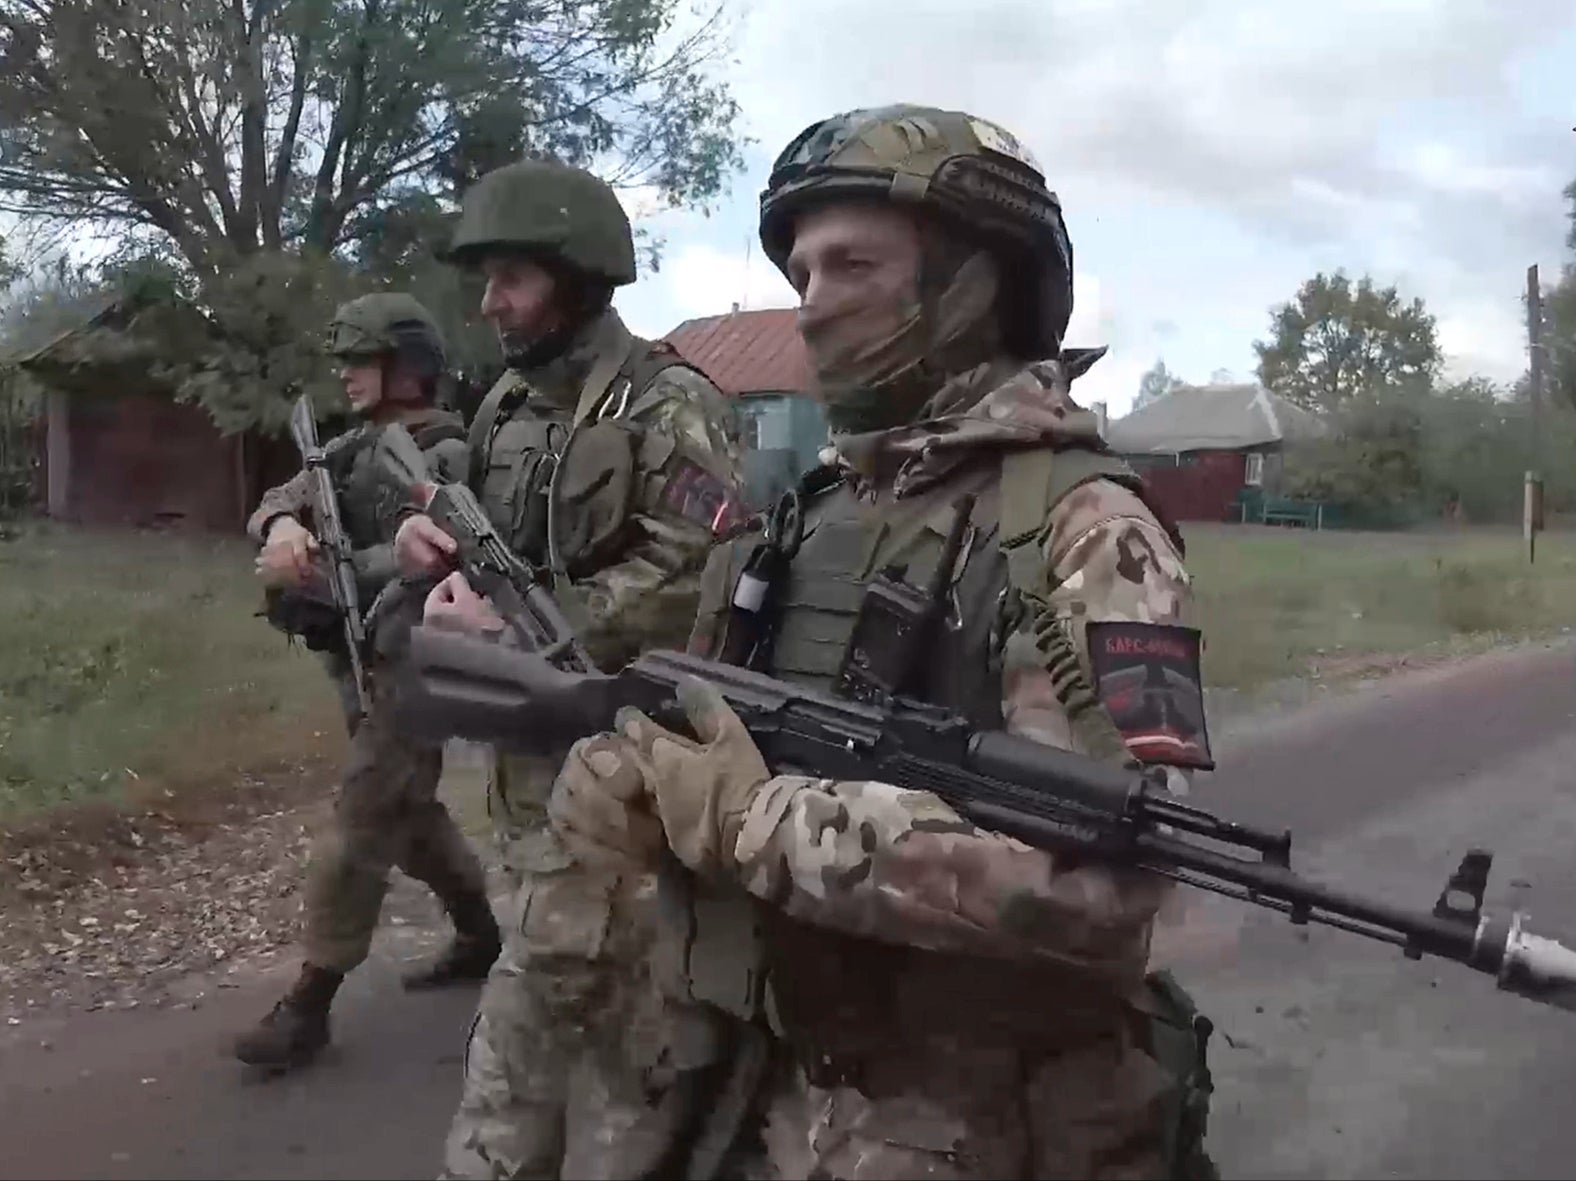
pixel 749 431
pixel 1253 474
pixel 766 422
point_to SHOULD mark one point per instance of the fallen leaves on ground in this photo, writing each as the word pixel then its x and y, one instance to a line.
pixel 105 919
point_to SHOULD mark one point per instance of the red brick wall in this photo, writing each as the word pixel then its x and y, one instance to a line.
pixel 1201 488
pixel 145 461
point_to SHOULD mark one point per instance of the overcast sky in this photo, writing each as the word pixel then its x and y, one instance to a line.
pixel 1209 154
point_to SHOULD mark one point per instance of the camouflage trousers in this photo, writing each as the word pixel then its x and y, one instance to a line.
pixel 565 1049
pixel 1124 1098
pixel 971 1116
pixel 386 814
pixel 517 791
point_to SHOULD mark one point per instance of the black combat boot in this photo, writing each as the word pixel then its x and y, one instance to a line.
pixel 297 1027
pixel 470 955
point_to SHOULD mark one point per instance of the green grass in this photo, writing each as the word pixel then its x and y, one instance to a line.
pixel 134 663
pixel 1278 603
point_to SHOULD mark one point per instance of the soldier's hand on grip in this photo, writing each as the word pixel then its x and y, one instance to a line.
pixel 288 558
pixel 420 547
pixel 600 809
pixel 455 606
pixel 698 786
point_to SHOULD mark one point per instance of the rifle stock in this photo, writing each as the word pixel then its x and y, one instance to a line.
pixel 1049 798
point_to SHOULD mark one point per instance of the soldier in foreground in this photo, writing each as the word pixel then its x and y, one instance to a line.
pixel 386 812
pixel 607 463
pixel 946 1001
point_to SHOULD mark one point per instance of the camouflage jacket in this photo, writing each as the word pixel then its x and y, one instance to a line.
pixel 369 523
pixel 871 860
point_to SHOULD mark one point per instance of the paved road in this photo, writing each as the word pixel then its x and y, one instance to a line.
pixel 1351 1061
pixel 1337 1058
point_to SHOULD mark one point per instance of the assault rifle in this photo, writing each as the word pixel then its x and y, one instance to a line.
pixel 331 535
pixel 1053 799
pixel 488 564
pixel 1049 798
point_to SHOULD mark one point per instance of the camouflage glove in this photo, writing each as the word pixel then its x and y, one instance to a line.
pixel 702 789
pixel 599 807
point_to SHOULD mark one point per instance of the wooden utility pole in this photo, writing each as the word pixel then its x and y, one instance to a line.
pixel 1532 497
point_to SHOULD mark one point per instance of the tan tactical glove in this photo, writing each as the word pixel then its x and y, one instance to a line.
pixel 600 809
pixel 699 787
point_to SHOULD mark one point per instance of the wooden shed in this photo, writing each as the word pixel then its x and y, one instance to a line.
pixel 119 450
pixel 1200 447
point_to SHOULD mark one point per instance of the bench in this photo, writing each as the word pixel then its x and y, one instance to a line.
pixel 1282 510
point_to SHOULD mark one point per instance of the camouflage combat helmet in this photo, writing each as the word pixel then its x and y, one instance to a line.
pixel 965 170
pixel 543 207
pixel 388 322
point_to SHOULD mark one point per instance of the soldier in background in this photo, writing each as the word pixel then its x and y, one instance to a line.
pixel 607 463
pixel 386 811
pixel 945 1001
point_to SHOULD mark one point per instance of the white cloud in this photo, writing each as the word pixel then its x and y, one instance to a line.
pixel 1490 340
pixel 699 279
pixel 642 203
pixel 1210 156
pixel 703 280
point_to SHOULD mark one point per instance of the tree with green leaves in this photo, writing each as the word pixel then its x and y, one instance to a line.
pixel 1559 321
pixel 275 153
pixel 236 126
pixel 1337 340
pixel 1155 384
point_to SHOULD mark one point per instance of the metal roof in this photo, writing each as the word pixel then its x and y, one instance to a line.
pixel 746 352
pixel 1212 418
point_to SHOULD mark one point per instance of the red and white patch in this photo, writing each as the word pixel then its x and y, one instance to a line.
pixel 1147 678
pixel 696 495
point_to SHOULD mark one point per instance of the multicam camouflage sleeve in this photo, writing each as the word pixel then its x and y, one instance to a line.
pixel 875 860
pixel 293 498
pixel 688 487
pixel 375 565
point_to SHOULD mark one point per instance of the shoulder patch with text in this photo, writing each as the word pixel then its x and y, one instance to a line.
pixel 1147 677
pixel 696 495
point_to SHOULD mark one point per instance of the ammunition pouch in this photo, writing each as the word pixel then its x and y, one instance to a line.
pixel 1178 1041
pixel 592 495
pixel 318 625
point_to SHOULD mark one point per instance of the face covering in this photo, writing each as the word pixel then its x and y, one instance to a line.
pixel 878 358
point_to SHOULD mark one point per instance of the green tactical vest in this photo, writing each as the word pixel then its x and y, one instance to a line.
pixel 368 509
pixel 515 448
pixel 838 1000
pixel 845 543
pixel 364 505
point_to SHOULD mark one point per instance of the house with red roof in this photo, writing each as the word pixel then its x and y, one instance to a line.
pixel 757 359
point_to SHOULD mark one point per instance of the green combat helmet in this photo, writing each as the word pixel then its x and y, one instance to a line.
pixel 388 322
pixel 545 208
pixel 968 172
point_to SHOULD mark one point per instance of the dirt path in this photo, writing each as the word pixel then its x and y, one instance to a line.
pixel 1337 1057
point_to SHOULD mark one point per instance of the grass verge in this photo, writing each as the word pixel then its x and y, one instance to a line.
pixel 1287 603
pixel 135 670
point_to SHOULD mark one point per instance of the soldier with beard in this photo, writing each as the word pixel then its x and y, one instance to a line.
pixel 945 1001
pixel 609 465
